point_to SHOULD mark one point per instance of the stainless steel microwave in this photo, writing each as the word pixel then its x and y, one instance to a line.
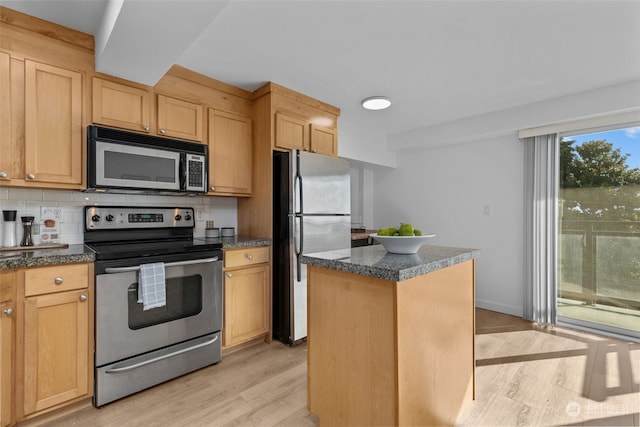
pixel 127 162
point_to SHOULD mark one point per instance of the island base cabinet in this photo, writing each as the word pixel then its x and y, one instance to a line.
pixel 391 353
pixel 350 349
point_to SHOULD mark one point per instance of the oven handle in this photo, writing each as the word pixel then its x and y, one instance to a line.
pixel 159 358
pixel 169 264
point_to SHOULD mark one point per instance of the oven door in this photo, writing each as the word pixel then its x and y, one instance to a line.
pixel 193 308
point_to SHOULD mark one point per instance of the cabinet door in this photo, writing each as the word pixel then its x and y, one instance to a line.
pixel 230 153
pixel 122 106
pixel 56 346
pixel 5 117
pixel 246 305
pixel 324 140
pixel 53 124
pixel 7 333
pixel 291 133
pixel 179 119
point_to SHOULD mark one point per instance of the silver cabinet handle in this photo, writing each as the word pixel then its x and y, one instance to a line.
pixel 249 257
pixel 213 188
pixel 145 127
pixel 83 298
pixel 8 311
pixel 58 280
pixel 162 131
pixel 31 176
pixel 3 174
pixel 229 275
pixel 168 264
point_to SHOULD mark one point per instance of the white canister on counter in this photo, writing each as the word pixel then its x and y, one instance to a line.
pixel 212 232
pixel 9 228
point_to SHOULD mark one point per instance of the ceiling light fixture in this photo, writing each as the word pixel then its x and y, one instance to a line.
pixel 376 103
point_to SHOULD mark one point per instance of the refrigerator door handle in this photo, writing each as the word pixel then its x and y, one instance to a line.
pixel 298 244
pixel 301 248
pixel 296 235
pixel 297 187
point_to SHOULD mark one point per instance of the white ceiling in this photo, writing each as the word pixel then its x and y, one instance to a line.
pixel 438 61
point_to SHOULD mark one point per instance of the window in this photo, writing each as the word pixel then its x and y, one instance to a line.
pixel 599 230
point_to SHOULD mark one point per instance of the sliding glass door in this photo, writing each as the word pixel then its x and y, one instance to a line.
pixel 599 230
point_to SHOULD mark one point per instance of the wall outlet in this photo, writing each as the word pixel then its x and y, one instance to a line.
pixel 199 215
pixel 486 210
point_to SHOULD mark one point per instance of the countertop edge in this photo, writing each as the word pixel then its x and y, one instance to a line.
pixel 246 243
pixel 79 253
pixel 375 262
pixel 76 253
pixel 237 242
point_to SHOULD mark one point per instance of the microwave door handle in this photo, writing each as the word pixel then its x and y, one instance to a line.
pixel 182 171
pixel 169 264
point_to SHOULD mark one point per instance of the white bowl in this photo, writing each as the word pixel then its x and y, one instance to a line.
pixel 402 244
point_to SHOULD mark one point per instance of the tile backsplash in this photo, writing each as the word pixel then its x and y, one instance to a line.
pixel 28 202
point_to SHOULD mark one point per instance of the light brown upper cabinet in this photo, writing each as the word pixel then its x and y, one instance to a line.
pixel 122 106
pixel 5 117
pixel 324 140
pixel 41 124
pixel 131 107
pixel 297 134
pixel 291 133
pixel 230 154
pixel 179 119
pixel 53 124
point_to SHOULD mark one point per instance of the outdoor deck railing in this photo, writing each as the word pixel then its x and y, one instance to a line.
pixel 599 262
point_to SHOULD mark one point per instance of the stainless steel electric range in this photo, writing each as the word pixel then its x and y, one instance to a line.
pixel 138 346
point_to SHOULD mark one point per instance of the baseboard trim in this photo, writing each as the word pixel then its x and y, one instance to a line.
pixel 500 308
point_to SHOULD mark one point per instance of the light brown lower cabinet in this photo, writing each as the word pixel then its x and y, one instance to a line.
pixel 55 360
pixel 7 343
pixel 247 296
pixel 55 349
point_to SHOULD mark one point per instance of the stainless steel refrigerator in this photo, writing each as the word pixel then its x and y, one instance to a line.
pixel 311 213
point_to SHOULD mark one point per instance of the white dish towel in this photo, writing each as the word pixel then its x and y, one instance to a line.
pixel 152 290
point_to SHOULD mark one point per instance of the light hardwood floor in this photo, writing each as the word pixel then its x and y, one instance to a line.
pixel 526 375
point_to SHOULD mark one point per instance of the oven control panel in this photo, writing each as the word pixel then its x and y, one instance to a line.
pixel 119 217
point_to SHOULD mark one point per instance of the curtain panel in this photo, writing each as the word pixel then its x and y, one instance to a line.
pixel 541 174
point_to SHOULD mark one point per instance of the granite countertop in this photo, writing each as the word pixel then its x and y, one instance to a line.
pixel 375 261
pixel 80 253
pixel 43 257
pixel 236 242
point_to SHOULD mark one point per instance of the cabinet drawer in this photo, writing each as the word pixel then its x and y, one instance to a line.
pixel 246 256
pixel 44 280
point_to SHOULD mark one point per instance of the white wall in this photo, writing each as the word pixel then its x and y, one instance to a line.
pixel 447 175
pixel 29 201
pixel 362 194
pixel 470 196
pixel 359 143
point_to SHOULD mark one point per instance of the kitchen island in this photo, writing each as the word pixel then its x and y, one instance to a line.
pixel 390 337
